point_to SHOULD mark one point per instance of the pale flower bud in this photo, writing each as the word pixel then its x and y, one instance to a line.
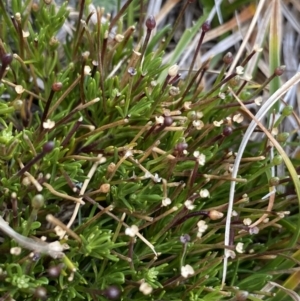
pixel 215 214
pixel 173 70
pixel 132 231
pixel 187 271
pixel 145 288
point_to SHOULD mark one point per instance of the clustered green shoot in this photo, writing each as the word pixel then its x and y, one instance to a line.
pixel 114 183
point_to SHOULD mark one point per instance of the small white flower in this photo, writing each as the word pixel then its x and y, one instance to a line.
pixel 258 101
pixel 247 221
pixel 274 131
pixel 230 253
pixel 198 124
pixel 128 153
pixel 19 89
pixel 59 231
pixel 157 178
pixel 85 54
pixel 26 181
pixel 204 193
pixel 166 201
pixel 173 91
pixel 200 157
pixel 187 105
pixel 266 220
pixel 119 38
pixel 159 120
pixel 234 213
pixel 228 120
pixel 256 48
pixel 147 175
pixel 222 95
pixel 202 227
pixel 238 118
pixel 25 34
pixel 199 115
pixel 173 70
pixel 87 70
pixel 187 271
pixel 218 123
pixel 239 247
pixel 253 230
pixel 48 124
pixel 132 231
pixel 189 204
pixel 43 238
pixel 239 70
pixel 145 288
pixel 247 77
pixel 15 251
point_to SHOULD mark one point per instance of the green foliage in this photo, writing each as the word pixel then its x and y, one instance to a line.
pixel 138 157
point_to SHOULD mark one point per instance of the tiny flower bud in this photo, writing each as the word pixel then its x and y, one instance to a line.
pixel 227 130
pixel 283 137
pixel 228 58
pixel 18 16
pixel 37 202
pixel 85 55
pixel 215 214
pixel 87 70
pixel 173 70
pixel 18 104
pixel 6 59
pixel 277 160
pixel 241 295
pixel 185 238
pixel 132 71
pixel 48 147
pixel 112 293
pixel 274 181
pixel 111 167
pixel 104 188
pixel 19 89
pixel 54 42
pixel 287 110
pixel 173 91
pixel 150 23
pixel 54 271
pixel 165 202
pixel 180 147
pixel 247 221
pixel 168 120
pixel 279 70
pixel 40 293
pixel 204 193
pixel 57 86
pixel 15 251
pixel 206 26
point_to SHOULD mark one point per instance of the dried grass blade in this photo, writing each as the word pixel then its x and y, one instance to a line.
pixel 261 113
